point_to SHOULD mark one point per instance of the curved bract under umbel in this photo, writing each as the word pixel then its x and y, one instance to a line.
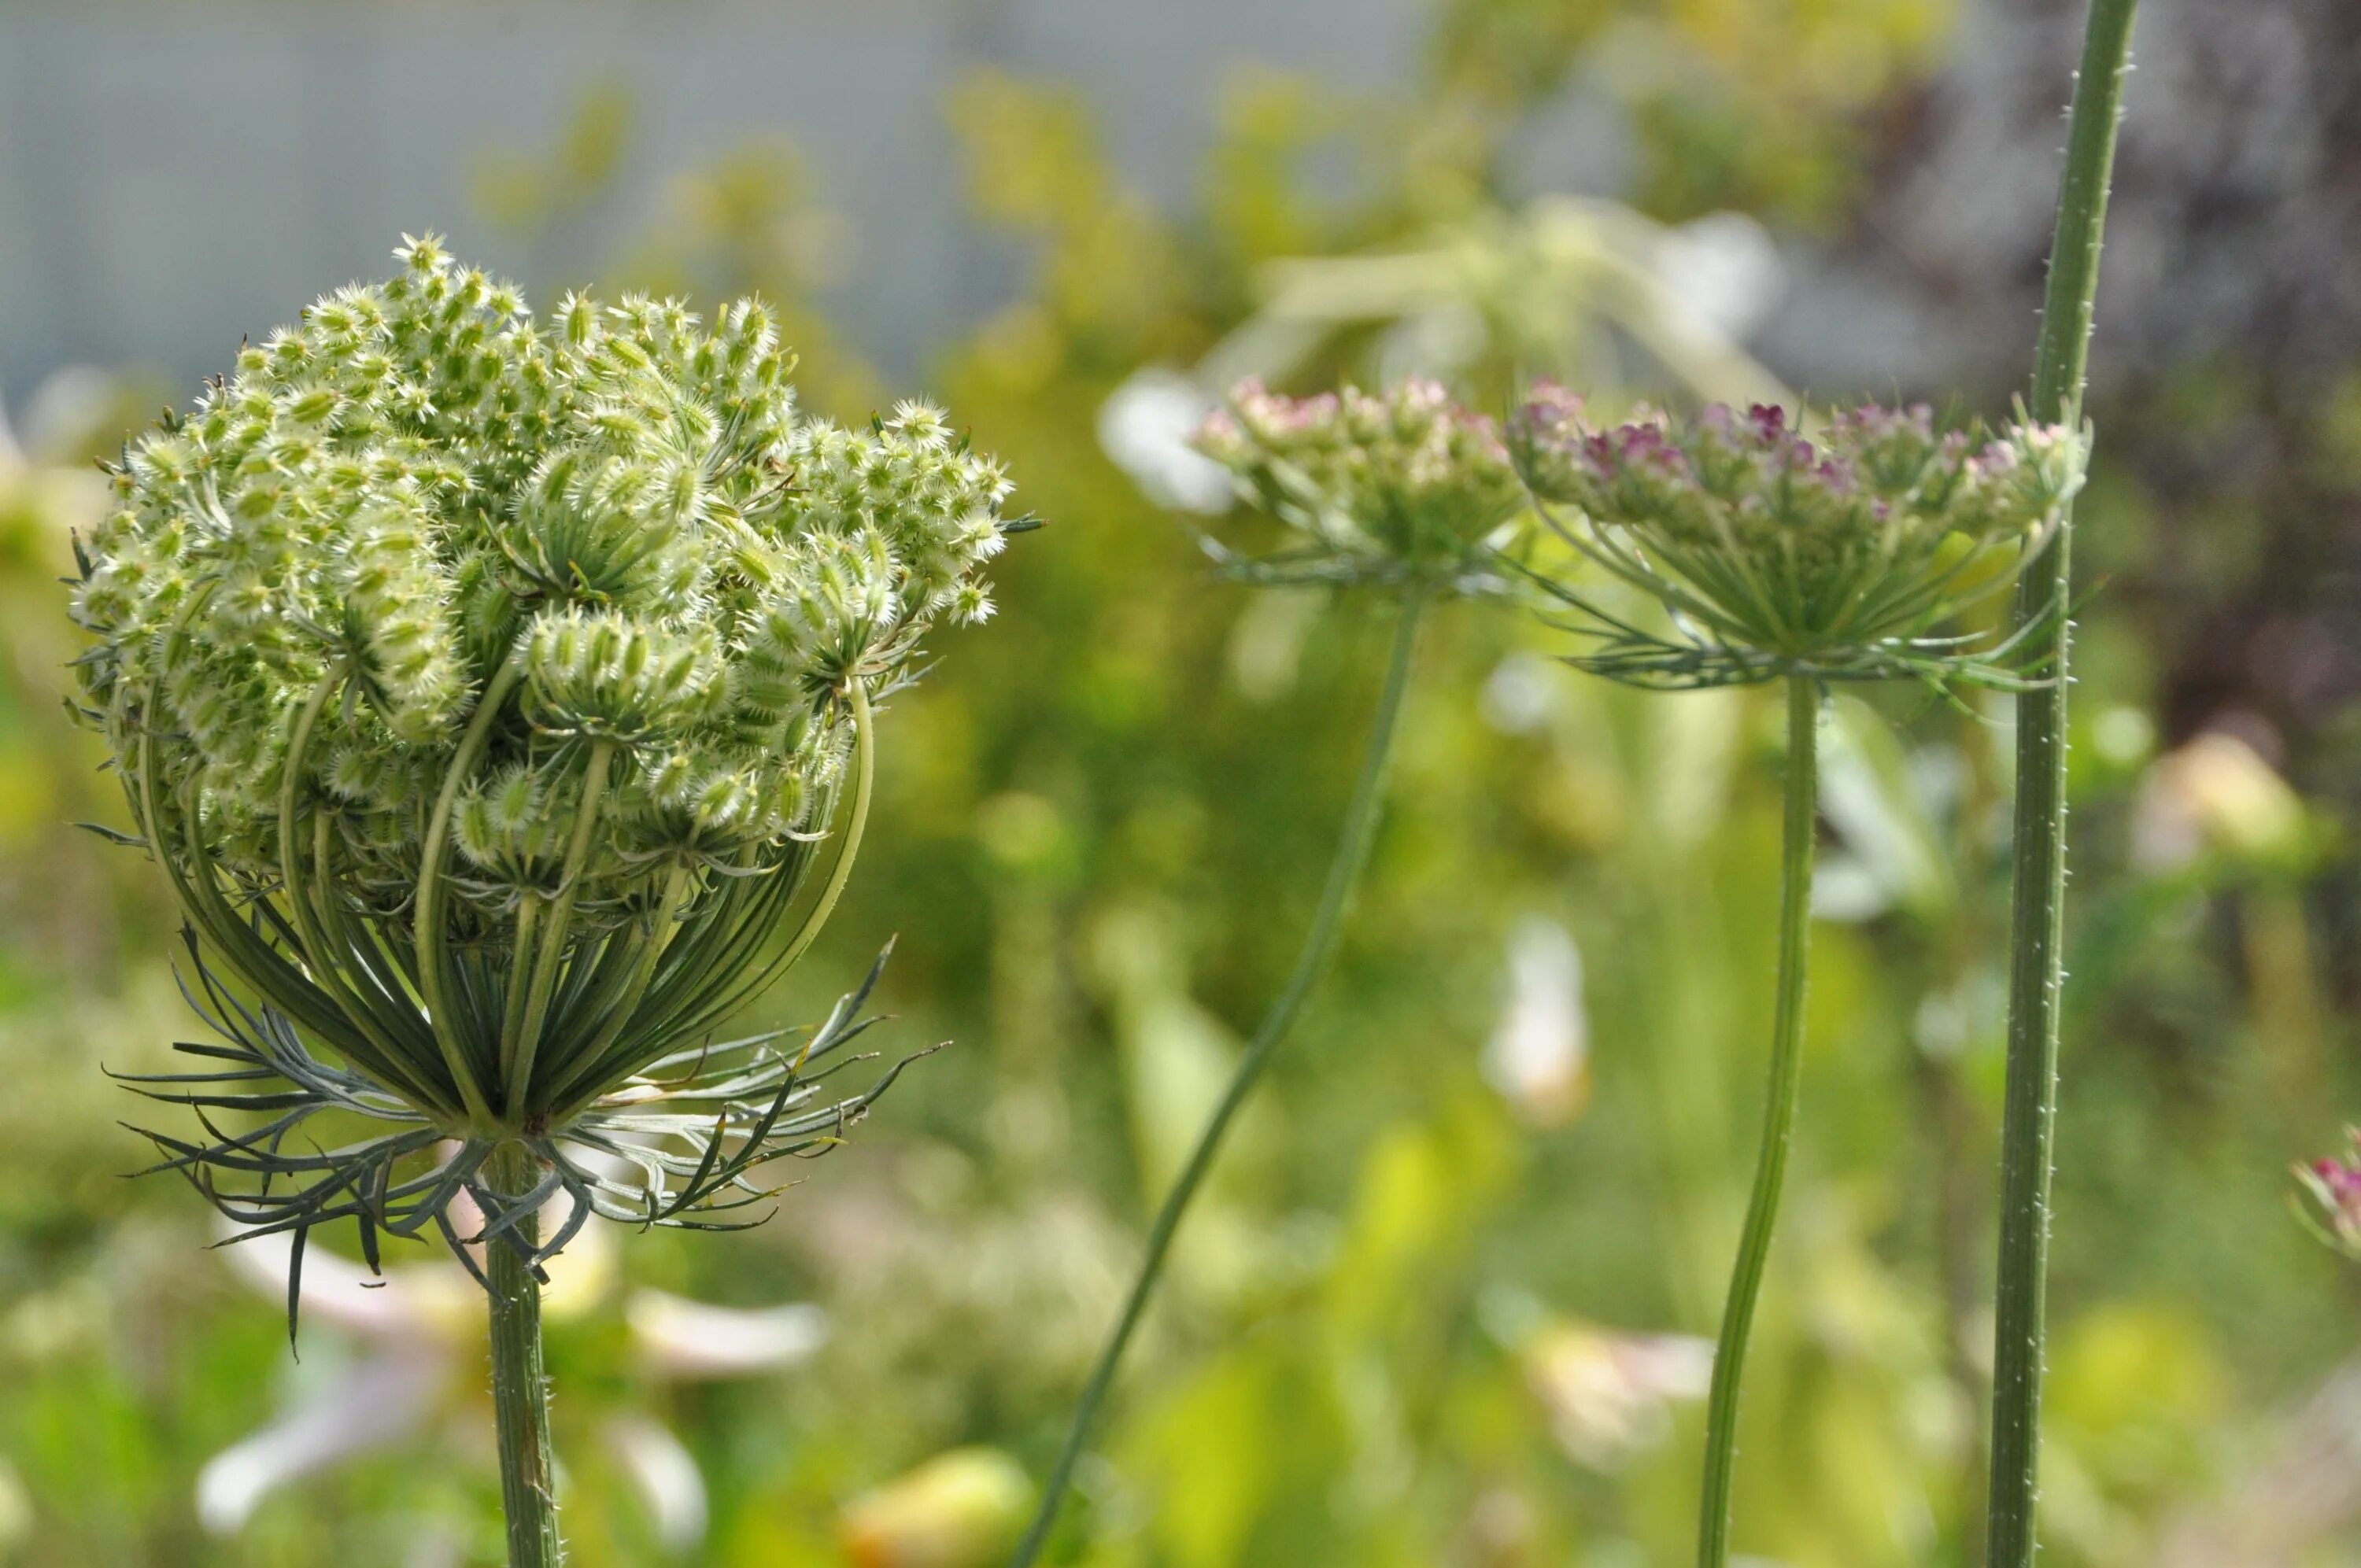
pixel 496 692
pixel 1839 556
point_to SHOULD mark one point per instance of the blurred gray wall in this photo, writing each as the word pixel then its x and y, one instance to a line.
pixel 171 177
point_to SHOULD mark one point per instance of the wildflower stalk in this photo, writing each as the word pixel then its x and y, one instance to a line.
pixel 1844 556
pixel 1797 844
pixel 519 1382
pixel 1344 873
pixel 2038 849
pixel 484 685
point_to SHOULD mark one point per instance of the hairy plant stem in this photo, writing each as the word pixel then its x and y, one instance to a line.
pixel 1344 873
pixel 2038 898
pixel 520 1384
pixel 1796 843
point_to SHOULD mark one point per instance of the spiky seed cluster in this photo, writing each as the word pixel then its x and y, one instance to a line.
pixel 422 482
pixel 1401 483
pixel 485 684
pixel 1808 551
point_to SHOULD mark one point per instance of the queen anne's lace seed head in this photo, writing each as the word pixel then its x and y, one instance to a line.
pixel 486 686
pixel 420 481
pixel 1392 485
pixel 1834 553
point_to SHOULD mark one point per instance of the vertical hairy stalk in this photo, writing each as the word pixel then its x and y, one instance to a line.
pixel 520 1384
pixel 1796 843
pixel 2038 850
pixel 1344 873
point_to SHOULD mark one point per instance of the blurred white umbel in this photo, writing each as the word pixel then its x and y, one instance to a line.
pixel 1539 1055
pixel 413 1359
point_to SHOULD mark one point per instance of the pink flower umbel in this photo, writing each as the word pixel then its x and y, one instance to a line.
pixel 1838 555
pixel 1390 486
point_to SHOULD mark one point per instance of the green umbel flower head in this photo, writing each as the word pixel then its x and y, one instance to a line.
pixel 487 685
pixel 1837 556
pixel 1393 488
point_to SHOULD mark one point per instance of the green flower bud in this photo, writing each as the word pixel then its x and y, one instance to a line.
pixel 1398 485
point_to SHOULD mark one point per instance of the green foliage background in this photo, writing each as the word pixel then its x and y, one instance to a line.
pixel 1101 827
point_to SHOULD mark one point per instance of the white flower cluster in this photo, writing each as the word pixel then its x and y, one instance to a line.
pixel 613 519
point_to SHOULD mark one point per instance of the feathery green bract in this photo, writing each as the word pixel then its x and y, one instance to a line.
pixel 1837 557
pixel 486 686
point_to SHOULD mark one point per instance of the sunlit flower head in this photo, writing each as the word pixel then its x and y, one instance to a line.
pixel 1837 554
pixel 1388 487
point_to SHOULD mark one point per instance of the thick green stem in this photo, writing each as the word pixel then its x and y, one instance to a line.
pixel 1778 1118
pixel 2036 931
pixel 1352 854
pixel 520 1384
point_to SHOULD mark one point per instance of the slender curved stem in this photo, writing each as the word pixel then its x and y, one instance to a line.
pixel 662 922
pixel 519 1382
pixel 2037 894
pixel 1778 1119
pixel 310 933
pixel 432 939
pixel 526 944
pixel 555 928
pixel 864 783
pixel 1344 873
pixel 291 862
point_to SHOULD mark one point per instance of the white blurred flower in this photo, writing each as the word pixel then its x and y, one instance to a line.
pixel 1609 1393
pixel 1726 267
pixel 417 1363
pixel 1539 1055
pixel 666 1474
pixel 1145 428
pixel 695 1341
pixel 2215 795
pixel 378 1399
pixel 15 1508
pixel 1534 286
pixel 68 405
pixel 1516 696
